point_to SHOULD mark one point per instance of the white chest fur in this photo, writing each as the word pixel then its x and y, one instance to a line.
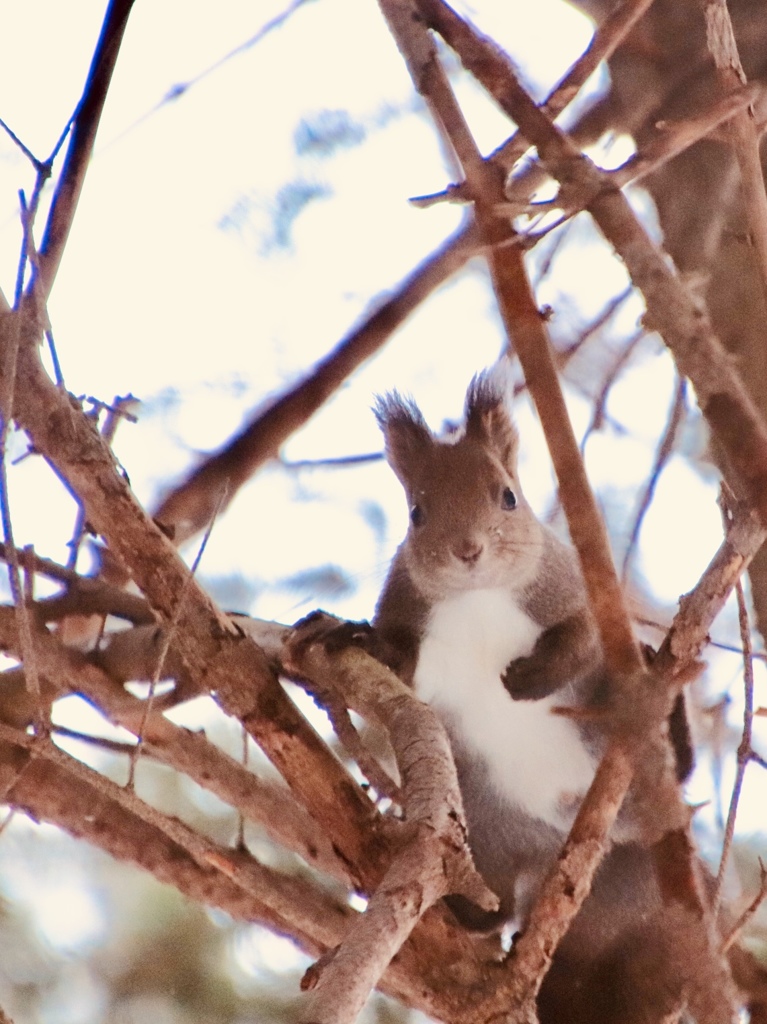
pixel 536 760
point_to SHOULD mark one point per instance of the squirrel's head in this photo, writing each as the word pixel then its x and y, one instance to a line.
pixel 470 525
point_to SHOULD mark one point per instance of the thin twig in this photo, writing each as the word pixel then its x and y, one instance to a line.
pixel 750 910
pixel 101 742
pixel 7 399
pixel 342 462
pixel 605 41
pixel 17 141
pixel 169 635
pixel 328 698
pixel 744 747
pixel 181 88
pixel 58 374
pixel 45 567
pixel 81 142
pixel 663 453
pixel 598 414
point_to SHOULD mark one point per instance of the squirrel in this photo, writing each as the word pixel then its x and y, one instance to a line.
pixel 484 613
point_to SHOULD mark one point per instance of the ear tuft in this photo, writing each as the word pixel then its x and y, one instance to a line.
pixel 406 434
pixel 488 418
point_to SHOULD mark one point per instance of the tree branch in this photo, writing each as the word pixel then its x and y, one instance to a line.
pixel 86 122
pixel 189 506
pixel 605 41
pixel 671 310
pixel 213 652
pixel 741 129
pixel 190 753
pixel 48 792
pixel 434 858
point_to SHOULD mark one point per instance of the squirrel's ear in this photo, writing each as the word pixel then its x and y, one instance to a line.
pixel 408 438
pixel 489 421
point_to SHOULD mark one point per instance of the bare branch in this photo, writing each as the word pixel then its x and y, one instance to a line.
pixel 750 910
pixel 698 609
pixel 744 747
pixel 434 859
pixel 674 137
pixel 80 148
pixel 9 367
pixel 598 414
pixel 671 310
pixel 608 37
pixel 742 129
pixel 168 637
pixel 190 753
pixel 188 508
pixel 662 455
pixel 49 792
pixel 181 88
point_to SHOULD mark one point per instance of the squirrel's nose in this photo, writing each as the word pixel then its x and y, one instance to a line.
pixel 468 551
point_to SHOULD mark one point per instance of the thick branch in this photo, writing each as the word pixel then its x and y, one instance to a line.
pixel 48 792
pixel 191 753
pixel 215 654
pixel 434 859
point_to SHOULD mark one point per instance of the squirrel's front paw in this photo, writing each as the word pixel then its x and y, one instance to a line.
pixel 527 679
pixel 334 634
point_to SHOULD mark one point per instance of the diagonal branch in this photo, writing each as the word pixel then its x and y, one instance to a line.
pixel 698 609
pixel 671 310
pixel 742 129
pixel 187 752
pixel 606 40
pixel 188 507
pixel 433 858
pixel 50 792
pixel 86 122
pixel 214 653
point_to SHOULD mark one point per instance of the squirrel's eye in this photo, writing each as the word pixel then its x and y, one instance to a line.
pixel 508 499
pixel 416 515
